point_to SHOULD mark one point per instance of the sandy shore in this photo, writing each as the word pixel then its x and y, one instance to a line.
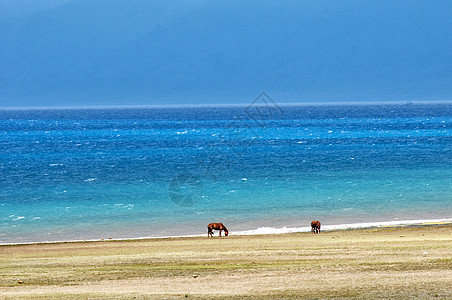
pixel 401 262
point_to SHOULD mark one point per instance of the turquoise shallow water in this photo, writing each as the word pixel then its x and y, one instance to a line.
pixel 89 173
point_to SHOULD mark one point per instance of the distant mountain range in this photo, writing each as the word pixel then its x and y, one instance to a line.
pixel 194 52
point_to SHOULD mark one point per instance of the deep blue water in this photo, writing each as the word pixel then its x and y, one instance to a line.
pixel 89 173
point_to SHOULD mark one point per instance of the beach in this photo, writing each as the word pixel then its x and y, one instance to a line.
pixel 379 263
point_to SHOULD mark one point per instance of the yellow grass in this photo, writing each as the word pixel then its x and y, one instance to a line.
pixel 376 263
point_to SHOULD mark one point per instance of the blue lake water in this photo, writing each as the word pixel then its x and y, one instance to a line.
pixel 81 174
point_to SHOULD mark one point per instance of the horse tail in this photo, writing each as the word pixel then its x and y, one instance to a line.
pixel 209 230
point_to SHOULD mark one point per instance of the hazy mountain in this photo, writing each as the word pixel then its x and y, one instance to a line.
pixel 154 52
pixel 20 8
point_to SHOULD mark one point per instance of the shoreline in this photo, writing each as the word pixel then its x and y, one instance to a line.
pixel 411 262
pixel 264 231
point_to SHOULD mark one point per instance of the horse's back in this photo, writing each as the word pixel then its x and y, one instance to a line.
pixel 215 225
pixel 315 224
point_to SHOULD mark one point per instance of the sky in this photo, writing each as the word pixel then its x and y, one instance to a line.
pixel 165 52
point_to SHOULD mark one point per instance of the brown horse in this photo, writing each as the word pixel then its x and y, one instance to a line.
pixel 216 226
pixel 315 227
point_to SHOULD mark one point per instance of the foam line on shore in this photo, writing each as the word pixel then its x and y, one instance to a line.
pixel 270 230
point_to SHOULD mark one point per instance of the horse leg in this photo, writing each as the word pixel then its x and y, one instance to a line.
pixel 220 231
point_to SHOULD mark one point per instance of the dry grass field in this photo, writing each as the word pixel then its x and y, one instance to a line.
pixel 378 263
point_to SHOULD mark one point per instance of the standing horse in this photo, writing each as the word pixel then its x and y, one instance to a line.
pixel 216 226
pixel 315 227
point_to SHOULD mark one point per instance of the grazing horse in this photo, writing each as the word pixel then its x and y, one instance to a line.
pixel 216 226
pixel 315 227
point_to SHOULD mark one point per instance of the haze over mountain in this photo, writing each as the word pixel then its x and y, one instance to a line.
pixel 139 52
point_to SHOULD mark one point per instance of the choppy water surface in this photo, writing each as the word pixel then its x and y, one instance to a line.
pixel 89 173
